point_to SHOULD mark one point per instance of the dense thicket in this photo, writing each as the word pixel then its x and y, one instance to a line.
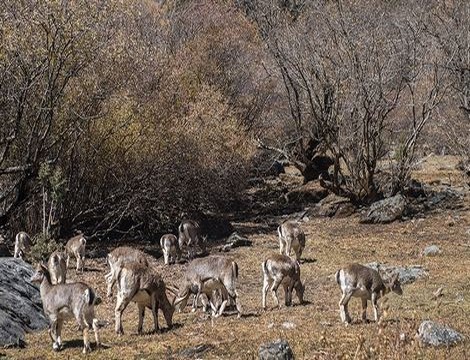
pixel 120 116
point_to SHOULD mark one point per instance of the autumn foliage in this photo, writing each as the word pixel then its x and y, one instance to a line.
pixel 151 109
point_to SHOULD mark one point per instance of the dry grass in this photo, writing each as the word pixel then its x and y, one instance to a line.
pixel 317 332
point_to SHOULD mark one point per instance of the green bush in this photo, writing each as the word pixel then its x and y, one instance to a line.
pixel 42 247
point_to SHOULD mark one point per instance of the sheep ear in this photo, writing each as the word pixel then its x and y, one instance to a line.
pixel 395 278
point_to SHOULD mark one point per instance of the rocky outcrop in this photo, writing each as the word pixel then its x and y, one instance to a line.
pixel 277 350
pixel 20 303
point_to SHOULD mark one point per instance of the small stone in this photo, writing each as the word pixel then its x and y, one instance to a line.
pixel 195 351
pixel 403 337
pixel 288 325
pixel 434 334
pixel 277 350
pixel 270 325
pixel 432 250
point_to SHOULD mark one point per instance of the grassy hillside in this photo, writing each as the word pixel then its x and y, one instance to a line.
pixel 314 330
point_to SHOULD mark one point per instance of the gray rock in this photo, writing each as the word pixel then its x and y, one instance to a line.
pixel 288 325
pixel 431 250
pixel 97 253
pixel 406 275
pixel 434 334
pixel 195 351
pixel 235 241
pixel 334 206
pixel 4 247
pixel 446 198
pixel 277 350
pixel 385 211
pixel 20 303
pixel 311 192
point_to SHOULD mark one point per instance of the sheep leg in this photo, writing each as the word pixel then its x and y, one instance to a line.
pixel 375 306
pixel 364 310
pixel 53 334
pixel 274 288
pixel 96 330
pixel 111 280
pixel 288 246
pixel 281 245
pixel 343 306
pixel 166 256
pixel 121 305
pixel 141 318
pixel 221 309
pixel 265 291
pixel 155 313
pixel 232 293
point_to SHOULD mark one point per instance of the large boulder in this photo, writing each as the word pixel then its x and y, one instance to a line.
pixel 334 206
pixel 277 350
pixel 406 274
pixel 20 303
pixel 385 211
pixel 434 334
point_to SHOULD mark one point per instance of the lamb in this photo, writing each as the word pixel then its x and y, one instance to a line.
pixel 23 244
pixel 220 270
pixel 142 285
pixel 170 247
pixel 119 257
pixel 291 236
pixel 57 267
pixel 213 295
pixel 366 283
pixel 281 270
pixel 76 247
pixel 64 301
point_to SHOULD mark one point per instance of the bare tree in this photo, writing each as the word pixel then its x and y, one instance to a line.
pixel 344 83
pixel 450 25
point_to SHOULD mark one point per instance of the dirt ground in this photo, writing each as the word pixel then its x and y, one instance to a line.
pixel 313 330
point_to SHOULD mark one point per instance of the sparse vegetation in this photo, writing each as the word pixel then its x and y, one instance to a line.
pixel 43 246
pixel 121 118
pixel 317 332
pixel 135 102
